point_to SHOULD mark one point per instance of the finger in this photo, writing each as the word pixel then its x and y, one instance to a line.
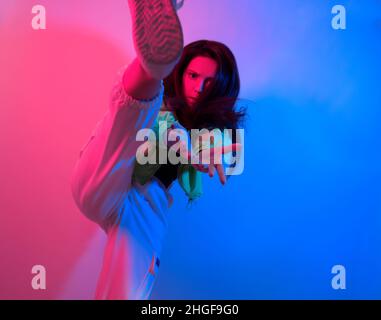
pixel 214 155
pixel 184 152
pixel 200 167
pixel 221 174
pixel 229 148
pixel 203 168
pixel 211 170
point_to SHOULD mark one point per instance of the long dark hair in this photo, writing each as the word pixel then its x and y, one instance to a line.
pixel 215 107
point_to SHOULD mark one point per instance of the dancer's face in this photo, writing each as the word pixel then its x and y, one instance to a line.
pixel 198 76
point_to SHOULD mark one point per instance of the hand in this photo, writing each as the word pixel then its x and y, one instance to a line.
pixel 215 153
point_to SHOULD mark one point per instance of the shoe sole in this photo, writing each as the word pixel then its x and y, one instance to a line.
pixel 157 31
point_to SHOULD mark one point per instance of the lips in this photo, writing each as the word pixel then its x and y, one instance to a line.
pixel 192 100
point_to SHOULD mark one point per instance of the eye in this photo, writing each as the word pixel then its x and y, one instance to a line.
pixel 208 82
pixel 192 75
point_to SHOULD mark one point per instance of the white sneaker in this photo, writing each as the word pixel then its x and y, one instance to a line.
pixel 157 34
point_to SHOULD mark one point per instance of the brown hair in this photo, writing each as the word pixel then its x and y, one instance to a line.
pixel 215 108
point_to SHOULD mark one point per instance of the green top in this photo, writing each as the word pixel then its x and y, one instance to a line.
pixel 190 179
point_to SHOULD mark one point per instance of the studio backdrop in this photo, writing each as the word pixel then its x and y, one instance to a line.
pixel 302 221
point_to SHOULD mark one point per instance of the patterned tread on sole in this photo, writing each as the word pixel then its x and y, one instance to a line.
pixel 157 31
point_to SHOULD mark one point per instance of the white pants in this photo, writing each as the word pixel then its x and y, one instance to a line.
pixel 133 216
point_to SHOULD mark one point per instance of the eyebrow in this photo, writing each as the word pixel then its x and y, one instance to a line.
pixel 190 70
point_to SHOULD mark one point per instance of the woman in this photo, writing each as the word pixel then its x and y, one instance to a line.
pixel 127 199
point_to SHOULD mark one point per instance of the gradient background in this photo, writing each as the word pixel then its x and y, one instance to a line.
pixel 310 194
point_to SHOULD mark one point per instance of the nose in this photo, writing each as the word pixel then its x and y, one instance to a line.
pixel 200 86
